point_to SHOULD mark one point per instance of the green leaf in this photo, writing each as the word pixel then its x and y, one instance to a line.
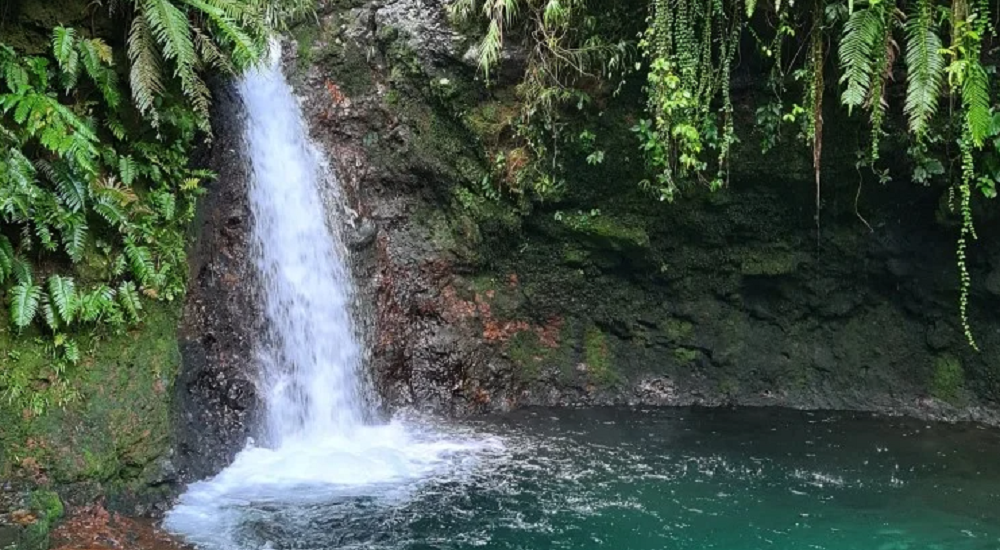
pixel 6 258
pixel 129 299
pixel 140 259
pixel 62 291
pixel 127 169
pixel 22 271
pixel 24 304
pixel 49 313
pixel 71 351
pixel 860 46
pixel 925 66
pixel 74 235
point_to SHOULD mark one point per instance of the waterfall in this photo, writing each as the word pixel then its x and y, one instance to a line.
pixel 317 450
pixel 310 357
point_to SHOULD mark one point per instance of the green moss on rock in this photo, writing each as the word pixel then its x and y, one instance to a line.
pixel 528 354
pixel 770 262
pixel 686 356
pixel 598 358
pixel 47 508
pixel 948 378
pixel 678 329
pixel 101 421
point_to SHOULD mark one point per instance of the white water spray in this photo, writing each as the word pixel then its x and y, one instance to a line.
pixel 310 358
pixel 318 446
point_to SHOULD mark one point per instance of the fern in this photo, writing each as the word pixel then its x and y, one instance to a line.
pixel 67 57
pixel 72 192
pixel 169 25
pixel 6 259
pixel 62 293
pixel 245 50
pixel 127 169
pixel 926 67
pixel 96 304
pixel 73 229
pixel 859 55
pixel 22 271
pixel 71 351
pixel 24 304
pixel 49 313
pixel 976 102
pixel 140 259
pixel 129 300
pixel 98 62
pixel 166 204
pixel 145 74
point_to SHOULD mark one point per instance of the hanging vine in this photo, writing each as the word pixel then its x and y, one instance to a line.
pixel 814 99
pixel 689 46
pixel 688 131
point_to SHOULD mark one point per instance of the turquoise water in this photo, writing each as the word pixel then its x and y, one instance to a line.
pixel 663 479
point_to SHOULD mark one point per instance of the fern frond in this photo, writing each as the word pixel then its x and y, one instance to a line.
pixel 71 191
pixel 860 50
pixel 6 259
pixel 112 213
pixel 976 102
pixel 74 235
pixel 129 299
pixel 15 76
pixel 140 259
pixel 71 351
pixel 245 50
pixel 98 60
pixel 166 204
pixel 49 313
pixel 24 304
pixel 145 73
pixel 170 27
pixel 210 52
pixel 127 169
pixel 62 292
pixel 64 50
pixel 22 271
pixel 96 304
pixel 925 67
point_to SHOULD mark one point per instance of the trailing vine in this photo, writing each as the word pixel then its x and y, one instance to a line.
pixel 567 49
pixel 689 47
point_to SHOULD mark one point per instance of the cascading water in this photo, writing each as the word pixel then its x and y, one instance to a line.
pixel 310 357
pixel 317 446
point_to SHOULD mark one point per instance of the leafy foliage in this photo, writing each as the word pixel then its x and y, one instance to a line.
pixel 96 187
pixel 568 46
pixel 689 47
pixel 925 65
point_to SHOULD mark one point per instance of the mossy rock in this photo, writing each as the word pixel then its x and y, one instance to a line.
pixel 947 378
pixel 101 421
pixel 686 356
pixel 606 232
pixel 678 329
pixel 528 354
pixel 46 508
pixel 597 357
pixel 770 262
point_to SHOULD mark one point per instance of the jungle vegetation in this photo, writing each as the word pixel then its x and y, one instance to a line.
pixel 98 128
pixel 97 185
pixel 851 52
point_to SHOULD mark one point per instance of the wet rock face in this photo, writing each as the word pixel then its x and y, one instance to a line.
pixel 215 394
pixel 716 300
